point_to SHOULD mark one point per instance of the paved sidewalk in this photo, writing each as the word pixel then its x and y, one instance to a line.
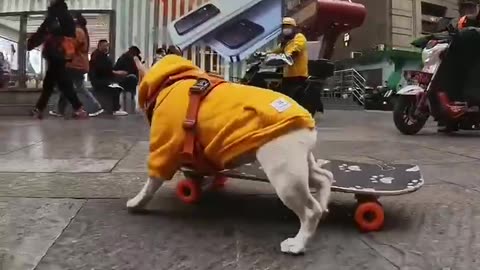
pixel 64 185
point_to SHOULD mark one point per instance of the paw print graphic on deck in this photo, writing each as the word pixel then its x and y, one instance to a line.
pixel 375 179
pixel 413 169
pixel 414 183
pixel 346 168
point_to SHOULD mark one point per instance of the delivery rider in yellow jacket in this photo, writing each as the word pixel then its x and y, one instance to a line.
pixel 293 44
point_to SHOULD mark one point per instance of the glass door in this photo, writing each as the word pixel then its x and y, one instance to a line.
pixel 9 62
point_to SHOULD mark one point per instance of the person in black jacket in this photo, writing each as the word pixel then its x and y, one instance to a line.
pixel 53 33
pixel 126 63
pixel 104 78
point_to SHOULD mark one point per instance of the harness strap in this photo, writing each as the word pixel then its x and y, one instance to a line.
pixel 193 154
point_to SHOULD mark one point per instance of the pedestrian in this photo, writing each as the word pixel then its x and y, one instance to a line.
pixel 4 71
pixel 126 63
pixel 78 67
pixel 104 78
pixel 174 50
pixel 159 54
pixel 56 33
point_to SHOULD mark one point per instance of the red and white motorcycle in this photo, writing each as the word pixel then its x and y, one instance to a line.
pixel 420 99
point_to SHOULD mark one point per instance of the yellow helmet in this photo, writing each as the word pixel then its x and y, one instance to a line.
pixel 289 21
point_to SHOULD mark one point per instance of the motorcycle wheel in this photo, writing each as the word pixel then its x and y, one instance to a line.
pixel 404 118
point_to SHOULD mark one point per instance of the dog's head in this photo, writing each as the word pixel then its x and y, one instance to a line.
pixel 156 77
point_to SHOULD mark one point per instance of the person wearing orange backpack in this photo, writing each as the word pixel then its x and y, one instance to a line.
pixel 57 34
pixel 78 67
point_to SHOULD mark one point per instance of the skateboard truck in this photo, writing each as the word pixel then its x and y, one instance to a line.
pixel 191 189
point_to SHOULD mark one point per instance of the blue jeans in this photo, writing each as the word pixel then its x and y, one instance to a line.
pixel 79 87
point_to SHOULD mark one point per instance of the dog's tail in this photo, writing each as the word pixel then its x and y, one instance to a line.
pixel 316 168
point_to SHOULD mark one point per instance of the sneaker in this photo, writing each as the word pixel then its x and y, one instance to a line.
pixel 80 114
pixel 97 113
pixel 115 86
pixel 36 113
pixel 54 113
pixel 120 113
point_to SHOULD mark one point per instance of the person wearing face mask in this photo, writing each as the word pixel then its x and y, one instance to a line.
pixel 293 44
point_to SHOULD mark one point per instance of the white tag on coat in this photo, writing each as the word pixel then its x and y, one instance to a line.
pixel 281 105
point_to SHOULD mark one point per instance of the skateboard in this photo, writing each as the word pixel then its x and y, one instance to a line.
pixel 368 182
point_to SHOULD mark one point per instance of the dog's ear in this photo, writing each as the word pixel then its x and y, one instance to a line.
pixel 322 162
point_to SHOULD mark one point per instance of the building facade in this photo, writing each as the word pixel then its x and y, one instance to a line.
pixel 394 24
pixel 124 23
pixel 380 50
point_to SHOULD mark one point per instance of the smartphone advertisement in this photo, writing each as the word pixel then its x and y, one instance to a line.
pixel 233 28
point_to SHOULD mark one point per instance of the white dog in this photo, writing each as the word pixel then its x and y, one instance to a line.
pixel 290 166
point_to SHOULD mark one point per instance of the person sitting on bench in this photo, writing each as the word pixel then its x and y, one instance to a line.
pixel 104 78
pixel 126 63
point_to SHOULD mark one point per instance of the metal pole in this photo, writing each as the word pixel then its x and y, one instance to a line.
pixel 22 51
pixel 156 24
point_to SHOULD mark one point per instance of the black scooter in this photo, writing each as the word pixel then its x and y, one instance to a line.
pixel 265 70
pixel 262 72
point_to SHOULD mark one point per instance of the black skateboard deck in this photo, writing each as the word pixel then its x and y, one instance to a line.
pixel 366 181
pixel 350 177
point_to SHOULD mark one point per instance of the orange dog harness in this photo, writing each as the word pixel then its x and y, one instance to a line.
pixel 192 153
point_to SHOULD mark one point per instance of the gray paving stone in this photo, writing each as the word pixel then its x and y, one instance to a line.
pixel 242 226
pixel 135 160
pixel 208 237
pixel 85 165
pixel 28 227
pixel 70 185
pixel 463 174
pixel 92 146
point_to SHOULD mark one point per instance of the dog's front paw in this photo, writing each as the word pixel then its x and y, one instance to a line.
pixel 293 246
pixel 136 204
pixel 322 162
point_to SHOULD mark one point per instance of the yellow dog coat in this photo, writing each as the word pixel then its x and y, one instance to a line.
pixel 233 119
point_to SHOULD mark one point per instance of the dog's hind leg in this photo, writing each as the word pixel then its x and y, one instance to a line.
pixel 320 179
pixel 145 195
pixel 285 161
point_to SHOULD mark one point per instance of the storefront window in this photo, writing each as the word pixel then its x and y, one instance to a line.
pixel 35 65
pixel 21 69
pixel 9 64
pixel 98 26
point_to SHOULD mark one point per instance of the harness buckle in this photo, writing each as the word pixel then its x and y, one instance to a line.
pixel 189 124
pixel 200 86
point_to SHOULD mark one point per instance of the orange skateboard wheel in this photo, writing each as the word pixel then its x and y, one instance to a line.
pixel 189 191
pixel 369 216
